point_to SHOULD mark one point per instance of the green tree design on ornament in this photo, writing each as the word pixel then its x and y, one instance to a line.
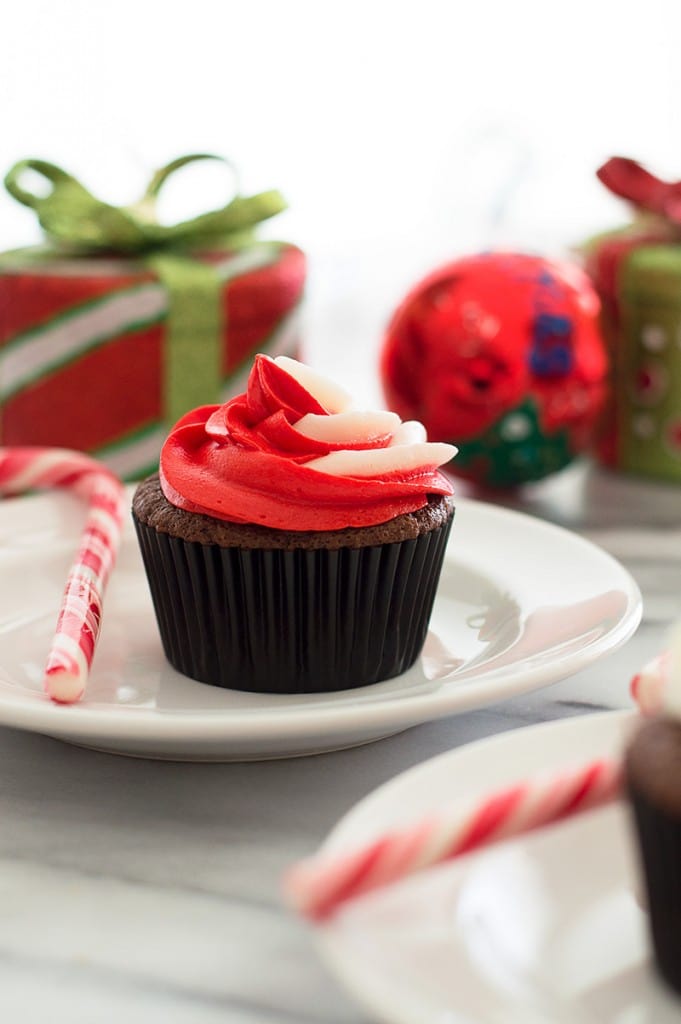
pixel 514 450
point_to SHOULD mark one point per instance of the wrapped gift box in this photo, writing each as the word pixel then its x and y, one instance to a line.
pixel 104 353
pixel 637 271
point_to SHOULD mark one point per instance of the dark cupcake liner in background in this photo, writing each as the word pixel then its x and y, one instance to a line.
pixel 660 852
pixel 292 621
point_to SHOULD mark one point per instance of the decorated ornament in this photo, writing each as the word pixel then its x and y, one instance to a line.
pixel 500 353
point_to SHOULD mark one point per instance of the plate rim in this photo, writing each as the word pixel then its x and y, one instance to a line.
pixel 316 719
pixel 592 720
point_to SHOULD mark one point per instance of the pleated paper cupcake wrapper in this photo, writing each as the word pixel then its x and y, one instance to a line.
pixel 298 621
pixel 660 851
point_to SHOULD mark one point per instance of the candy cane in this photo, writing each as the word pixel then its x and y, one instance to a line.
pixel 80 613
pixel 320 885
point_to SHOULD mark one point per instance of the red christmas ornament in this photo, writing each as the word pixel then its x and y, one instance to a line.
pixel 501 354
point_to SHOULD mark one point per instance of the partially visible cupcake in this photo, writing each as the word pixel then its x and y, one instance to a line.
pixel 292 543
pixel 653 781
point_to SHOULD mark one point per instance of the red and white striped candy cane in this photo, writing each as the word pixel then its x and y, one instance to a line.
pixel 320 885
pixel 73 647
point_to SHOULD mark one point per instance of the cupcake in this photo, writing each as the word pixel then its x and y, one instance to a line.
pixel 293 543
pixel 653 780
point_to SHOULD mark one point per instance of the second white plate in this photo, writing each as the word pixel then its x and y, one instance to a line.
pixel 521 604
pixel 543 929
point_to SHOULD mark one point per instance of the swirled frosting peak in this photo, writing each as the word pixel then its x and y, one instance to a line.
pixel 293 453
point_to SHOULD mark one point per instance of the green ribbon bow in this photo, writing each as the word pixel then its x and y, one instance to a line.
pixel 79 224
pixel 76 220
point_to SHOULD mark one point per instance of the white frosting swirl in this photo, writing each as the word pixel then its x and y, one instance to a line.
pixel 378 442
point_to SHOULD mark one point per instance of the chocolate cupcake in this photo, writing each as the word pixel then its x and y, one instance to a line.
pixel 652 767
pixel 293 544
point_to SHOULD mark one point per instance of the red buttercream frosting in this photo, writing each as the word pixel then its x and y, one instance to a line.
pixel 291 454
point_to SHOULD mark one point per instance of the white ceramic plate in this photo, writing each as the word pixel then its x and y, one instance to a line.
pixel 544 929
pixel 521 604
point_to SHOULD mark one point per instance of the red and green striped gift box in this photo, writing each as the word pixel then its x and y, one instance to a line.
pixel 120 324
pixel 83 354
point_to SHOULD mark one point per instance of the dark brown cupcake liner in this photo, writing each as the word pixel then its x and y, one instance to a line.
pixel 292 621
pixel 660 854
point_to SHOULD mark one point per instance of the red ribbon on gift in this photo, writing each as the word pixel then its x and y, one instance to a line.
pixel 629 180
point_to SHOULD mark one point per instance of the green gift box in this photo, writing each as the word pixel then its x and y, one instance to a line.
pixel 637 271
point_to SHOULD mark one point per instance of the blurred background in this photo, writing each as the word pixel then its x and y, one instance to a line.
pixel 402 134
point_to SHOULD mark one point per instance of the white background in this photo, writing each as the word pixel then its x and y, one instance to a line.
pixel 401 133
